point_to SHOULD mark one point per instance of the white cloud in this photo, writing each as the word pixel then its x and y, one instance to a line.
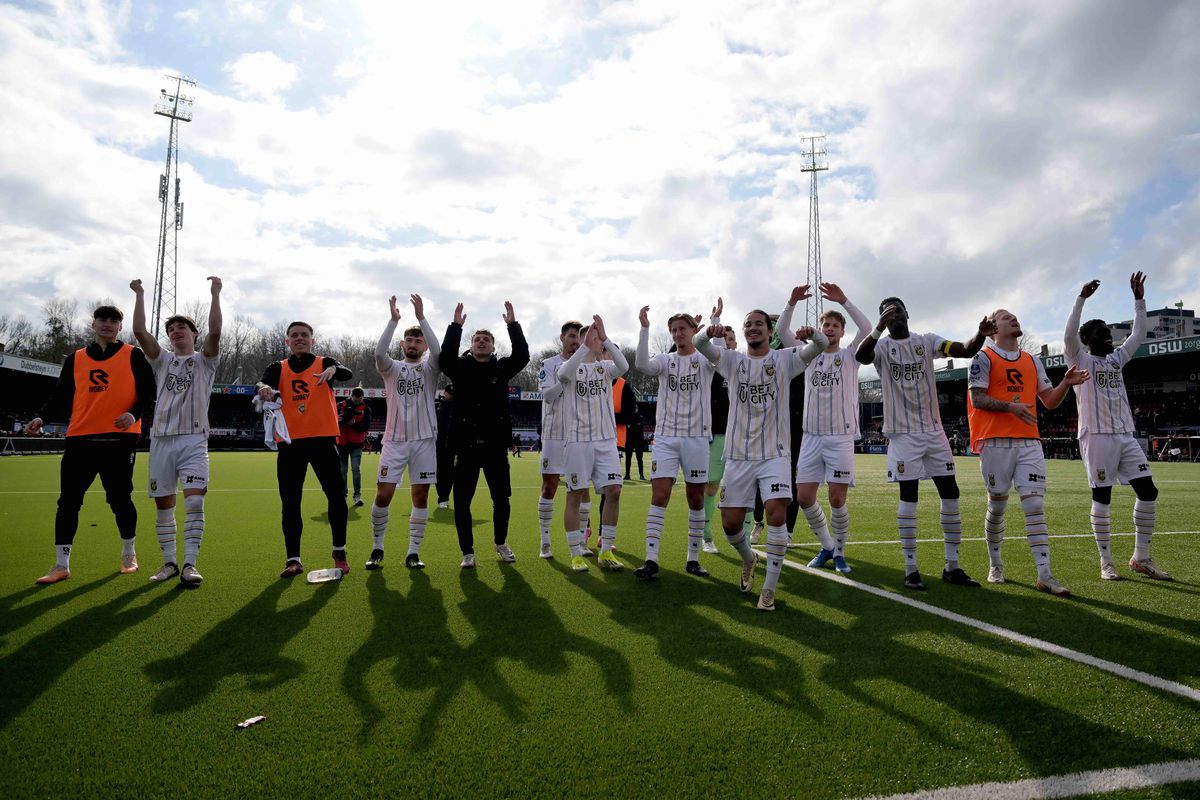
pixel 261 75
pixel 188 15
pixel 298 17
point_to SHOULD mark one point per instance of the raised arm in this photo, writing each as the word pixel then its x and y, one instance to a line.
pixel 516 361
pixel 212 340
pixel 816 345
pixel 1072 346
pixel 1137 282
pixel 448 360
pixel 642 360
pixel 149 344
pixel 435 347
pixel 702 341
pixel 959 350
pixel 784 325
pixel 618 358
pixel 570 367
pixel 383 361
pixel 862 325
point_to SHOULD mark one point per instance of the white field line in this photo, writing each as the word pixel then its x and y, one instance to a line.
pixel 1075 784
pixel 1120 670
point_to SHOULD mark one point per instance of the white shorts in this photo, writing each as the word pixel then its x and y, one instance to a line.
pixel 772 478
pixel 1020 465
pixel 418 456
pixel 552 456
pixel 825 459
pixel 916 456
pixel 673 452
pixel 1112 457
pixel 178 460
pixel 597 463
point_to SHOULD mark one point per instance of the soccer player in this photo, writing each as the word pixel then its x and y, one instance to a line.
pixel 590 454
pixel 1106 428
pixel 758 439
pixel 482 425
pixel 683 427
pixel 410 436
pixel 719 403
pixel 106 389
pixel 302 384
pixel 554 437
pixel 912 422
pixel 830 426
pixel 1005 384
pixel 179 433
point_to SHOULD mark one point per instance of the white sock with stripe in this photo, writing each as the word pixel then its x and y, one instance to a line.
pixel 951 531
pixel 839 523
pixel 993 530
pixel 1102 530
pixel 164 529
pixel 62 556
pixel 1037 533
pixel 906 524
pixel 655 519
pixel 379 524
pixel 777 542
pixel 545 518
pixel 608 537
pixel 816 522
pixel 741 542
pixel 417 519
pixel 575 542
pixel 1143 527
pixel 695 533
pixel 193 527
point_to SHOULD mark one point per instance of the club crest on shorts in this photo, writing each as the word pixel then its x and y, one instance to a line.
pixel 1100 474
pixel 991 480
pixel 545 463
pixel 919 350
pixel 722 491
pixel 383 471
pixel 574 479
pixel 900 467
pixel 654 467
pixel 154 485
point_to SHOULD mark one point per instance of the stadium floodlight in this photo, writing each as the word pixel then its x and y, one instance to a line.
pixel 815 160
pixel 177 107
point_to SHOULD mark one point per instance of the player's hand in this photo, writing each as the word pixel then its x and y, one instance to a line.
pixel 987 326
pixel 833 292
pixel 598 327
pixel 136 285
pixel 510 316
pixel 1137 282
pixel 34 427
pixel 717 309
pixel 216 285
pixel 266 394
pixel 459 316
pixel 804 334
pixel 393 308
pixel 591 340
pixel 1023 412
pixel 124 421
pixel 889 313
pixel 698 318
pixel 326 376
pixel 799 293
pixel 418 306
pixel 1076 376
pixel 1090 288
pixel 644 316
pixel 715 332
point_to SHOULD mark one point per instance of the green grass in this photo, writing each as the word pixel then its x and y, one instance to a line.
pixel 531 681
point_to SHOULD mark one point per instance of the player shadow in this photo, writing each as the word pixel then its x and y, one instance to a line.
pixel 36 666
pixel 14 615
pixel 1048 738
pixel 665 610
pixel 248 644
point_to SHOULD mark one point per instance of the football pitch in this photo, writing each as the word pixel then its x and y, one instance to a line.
pixel 529 680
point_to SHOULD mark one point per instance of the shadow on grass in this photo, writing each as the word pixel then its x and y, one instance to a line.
pixel 665 610
pixel 246 644
pixel 413 630
pixel 14 616
pixel 886 646
pixel 35 667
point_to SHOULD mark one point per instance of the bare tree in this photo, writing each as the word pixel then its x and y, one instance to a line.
pixel 17 335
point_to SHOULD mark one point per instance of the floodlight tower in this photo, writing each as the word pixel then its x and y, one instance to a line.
pixel 813 152
pixel 177 107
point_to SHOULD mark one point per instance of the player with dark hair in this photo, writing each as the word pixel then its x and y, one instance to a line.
pixel 1106 428
pixel 302 383
pixel 179 433
pixel 912 421
pixel 105 389
pixel 482 425
pixel 354 422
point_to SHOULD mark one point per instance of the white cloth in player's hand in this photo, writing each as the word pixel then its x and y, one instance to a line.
pixel 273 422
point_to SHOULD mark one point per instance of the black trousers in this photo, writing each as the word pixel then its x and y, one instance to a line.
pixel 445 471
pixel 630 453
pixel 291 468
pixel 82 461
pixel 493 461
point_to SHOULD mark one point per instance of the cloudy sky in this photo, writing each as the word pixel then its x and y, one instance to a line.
pixel 589 157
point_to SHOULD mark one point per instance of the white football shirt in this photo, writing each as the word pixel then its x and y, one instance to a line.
pixel 184 390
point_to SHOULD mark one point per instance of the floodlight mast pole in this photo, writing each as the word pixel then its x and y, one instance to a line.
pixel 815 160
pixel 177 107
